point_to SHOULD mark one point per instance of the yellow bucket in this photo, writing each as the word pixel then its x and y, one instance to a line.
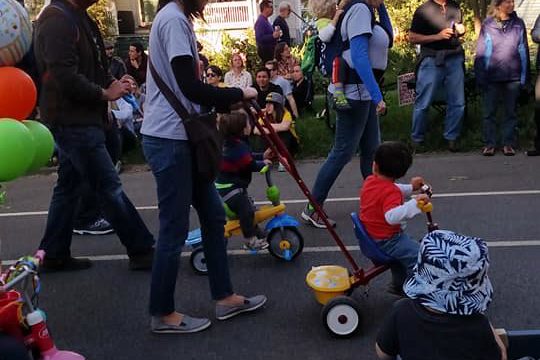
pixel 328 282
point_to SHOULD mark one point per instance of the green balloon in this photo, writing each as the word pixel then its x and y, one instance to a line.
pixel 43 141
pixel 16 149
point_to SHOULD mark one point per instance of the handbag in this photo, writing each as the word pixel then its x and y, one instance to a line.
pixel 202 132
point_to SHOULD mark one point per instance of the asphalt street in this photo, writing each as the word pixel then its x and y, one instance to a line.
pixel 102 312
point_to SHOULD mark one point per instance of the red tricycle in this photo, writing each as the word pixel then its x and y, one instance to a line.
pixel 19 316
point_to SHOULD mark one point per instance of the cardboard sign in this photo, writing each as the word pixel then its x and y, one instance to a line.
pixel 406 96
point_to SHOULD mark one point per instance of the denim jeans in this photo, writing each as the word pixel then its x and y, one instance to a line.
pixel 494 94
pixel 430 80
pixel 171 165
pixel 357 128
pixel 405 250
pixel 84 158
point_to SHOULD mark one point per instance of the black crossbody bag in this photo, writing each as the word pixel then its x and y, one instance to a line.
pixel 202 132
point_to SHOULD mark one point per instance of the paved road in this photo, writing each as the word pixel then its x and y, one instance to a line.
pixel 102 312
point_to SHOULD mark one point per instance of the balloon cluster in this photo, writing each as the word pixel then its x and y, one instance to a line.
pixel 25 145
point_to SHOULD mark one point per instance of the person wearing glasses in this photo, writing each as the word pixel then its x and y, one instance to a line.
pixel 214 76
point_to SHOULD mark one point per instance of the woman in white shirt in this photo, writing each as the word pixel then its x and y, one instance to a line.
pixel 238 76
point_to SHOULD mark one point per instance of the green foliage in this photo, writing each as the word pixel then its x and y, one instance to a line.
pixel 103 18
pixel 229 46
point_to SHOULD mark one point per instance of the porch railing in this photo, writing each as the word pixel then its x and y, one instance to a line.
pixel 229 15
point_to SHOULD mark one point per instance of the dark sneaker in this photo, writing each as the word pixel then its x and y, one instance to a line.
pixel 533 153
pixel 418 147
pixel 100 227
pixel 224 312
pixel 67 264
pixel 256 244
pixel 187 326
pixel 141 261
pixel 452 146
pixel 311 217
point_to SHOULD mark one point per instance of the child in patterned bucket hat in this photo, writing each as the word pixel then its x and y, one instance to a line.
pixel 448 294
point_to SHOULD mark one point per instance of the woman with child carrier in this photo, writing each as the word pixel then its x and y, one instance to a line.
pixel 175 75
pixel 365 44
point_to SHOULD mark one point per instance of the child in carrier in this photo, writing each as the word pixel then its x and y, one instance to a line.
pixel 328 13
pixel 384 212
pixel 234 177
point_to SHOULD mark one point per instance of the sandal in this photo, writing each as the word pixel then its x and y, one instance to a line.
pixel 488 151
pixel 508 151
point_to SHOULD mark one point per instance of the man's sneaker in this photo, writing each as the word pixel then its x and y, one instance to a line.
pixel 255 244
pixel 340 101
pixel 224 312
pixel 312 217
pixel 187 326
pixel 100 227
pixel 142 261
pixel 65 264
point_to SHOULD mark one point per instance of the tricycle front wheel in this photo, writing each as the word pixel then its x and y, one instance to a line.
pixel 285 243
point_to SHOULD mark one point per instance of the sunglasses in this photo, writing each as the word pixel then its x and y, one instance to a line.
pixel 211 75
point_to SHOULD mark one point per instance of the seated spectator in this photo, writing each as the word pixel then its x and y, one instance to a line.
pixel 264 86
pixel 283 124
pixel 214 76
pixel 116 65
pixel 301 89
pixel 285 86
pixel 285 61
pixel 136 100
pixel 136 62
pixel 238 76
pixel 443 316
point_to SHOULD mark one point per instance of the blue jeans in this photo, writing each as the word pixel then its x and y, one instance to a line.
pixel 494 94
pixel 431 79
pixel 357 128
pixel 84 158
pixel 405 250
pixel 171 165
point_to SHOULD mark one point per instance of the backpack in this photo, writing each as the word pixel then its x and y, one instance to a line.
pixel 325 53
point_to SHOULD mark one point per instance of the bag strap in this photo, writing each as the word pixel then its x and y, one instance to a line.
pixel 169 94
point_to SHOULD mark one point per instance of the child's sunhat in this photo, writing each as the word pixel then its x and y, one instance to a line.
pixel 451 274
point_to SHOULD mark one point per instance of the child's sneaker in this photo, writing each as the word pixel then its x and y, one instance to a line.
pixel 340 101
pixel 312 217
pixel 255 244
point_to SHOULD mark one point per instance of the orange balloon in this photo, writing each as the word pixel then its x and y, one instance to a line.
pixel 18 93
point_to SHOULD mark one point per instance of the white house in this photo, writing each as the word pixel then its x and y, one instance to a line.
pixel 232 16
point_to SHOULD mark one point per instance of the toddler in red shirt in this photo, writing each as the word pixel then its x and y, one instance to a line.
pixel 384 211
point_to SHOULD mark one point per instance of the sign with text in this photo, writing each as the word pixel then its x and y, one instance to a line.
pixel 406 96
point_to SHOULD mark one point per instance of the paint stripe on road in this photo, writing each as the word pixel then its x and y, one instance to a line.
pixel 344 199
pixel 315 249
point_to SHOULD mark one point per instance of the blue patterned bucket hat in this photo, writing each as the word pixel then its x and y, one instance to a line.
pixel 451 274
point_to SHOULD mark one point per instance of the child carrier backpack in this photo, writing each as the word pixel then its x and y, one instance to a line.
pixel 325 53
